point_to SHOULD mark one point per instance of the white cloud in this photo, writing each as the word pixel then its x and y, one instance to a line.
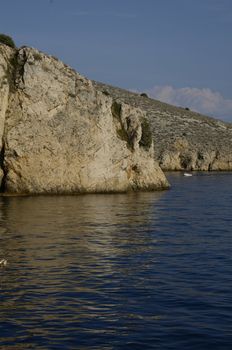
pixel 203 101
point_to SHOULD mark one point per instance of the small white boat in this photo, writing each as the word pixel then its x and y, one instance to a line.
pixel 187 174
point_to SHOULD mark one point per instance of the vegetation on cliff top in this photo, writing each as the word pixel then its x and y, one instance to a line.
pixel 7 40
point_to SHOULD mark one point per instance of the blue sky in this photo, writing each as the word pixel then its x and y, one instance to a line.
pixel 178 51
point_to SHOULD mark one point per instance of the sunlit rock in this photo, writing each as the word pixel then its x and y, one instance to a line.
pixel 62 135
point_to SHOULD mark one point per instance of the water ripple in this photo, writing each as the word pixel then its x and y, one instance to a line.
pixel 135 271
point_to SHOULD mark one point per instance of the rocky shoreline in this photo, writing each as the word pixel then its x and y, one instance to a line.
pixel 183 140
pixel 61 133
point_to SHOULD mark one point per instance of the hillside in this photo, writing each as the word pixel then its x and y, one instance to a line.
pixel 182 139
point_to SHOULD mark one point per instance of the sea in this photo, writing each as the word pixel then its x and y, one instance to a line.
pixel 148 270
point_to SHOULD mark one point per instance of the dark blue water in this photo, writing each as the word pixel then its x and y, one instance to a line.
pixel 127 271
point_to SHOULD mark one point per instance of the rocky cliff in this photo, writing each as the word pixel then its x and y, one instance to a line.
pixel 59 134
pixel 182 139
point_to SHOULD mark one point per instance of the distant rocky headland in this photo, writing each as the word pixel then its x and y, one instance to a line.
pixel 183 140
pixel 60 134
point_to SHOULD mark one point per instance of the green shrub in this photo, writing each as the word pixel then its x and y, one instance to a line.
pixel 146 138
pixel 143 94
pixel 7 40
pixel 37 56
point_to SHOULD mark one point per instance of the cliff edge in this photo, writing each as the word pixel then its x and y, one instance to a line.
pixel 183 140
pixel 59 134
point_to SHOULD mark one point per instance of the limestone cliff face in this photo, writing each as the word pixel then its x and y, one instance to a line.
pixel 182 139
pixel 61 135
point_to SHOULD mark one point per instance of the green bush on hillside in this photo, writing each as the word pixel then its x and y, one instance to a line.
pixel 143 94
pixel 7 40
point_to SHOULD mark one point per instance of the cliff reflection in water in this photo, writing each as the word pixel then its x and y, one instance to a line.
pixel 68 256
pixel 53 227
